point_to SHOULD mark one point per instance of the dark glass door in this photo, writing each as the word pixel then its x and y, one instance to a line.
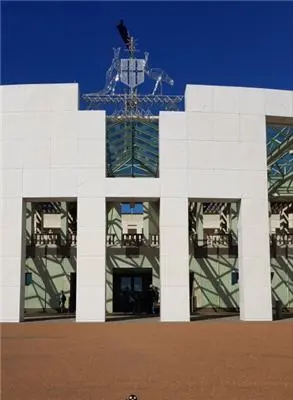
pixel 72 295
pixel 191 288
pixel 130 290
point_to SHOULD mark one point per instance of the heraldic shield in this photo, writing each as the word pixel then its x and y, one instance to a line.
pixel 132 71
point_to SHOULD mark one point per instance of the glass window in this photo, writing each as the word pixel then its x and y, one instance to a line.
pixel 125 283
pixel 137 284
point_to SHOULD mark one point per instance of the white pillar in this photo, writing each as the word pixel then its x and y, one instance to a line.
pixel 91 260
pixel 174 260
pixel 254 261
pixel 12 252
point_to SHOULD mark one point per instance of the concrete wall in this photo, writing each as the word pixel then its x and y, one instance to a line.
pixel 220 147
pixel 214 150
pixel 51 151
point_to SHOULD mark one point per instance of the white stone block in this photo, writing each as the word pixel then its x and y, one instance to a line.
pixel 12 183
pixel 226 100
pixel 50 97
pixel 172 126
pixel 227 156
pixel 90 304
pixel 12 98
pixel 199 98
pixel 253 129
pixel 63 182
pixel 278 103
pixel 214 184
pixel 22 125
pixel 255 241
pixel 68 97
pixel 12 154
pixel 173 212
pixel 37 125
pixel 11 242
pixel 254 185
pixel 254 157
pixel 174 236
pixel 91 242
pixel 10 272
pixel 91 182
pixel 173 183
pixel 226 127
pixel 11 212
pixel 92 124
pixel 91 153
pixel 91 272
pixel 255 212
pixel 12 126
pixel 251 101
pixel 63 153
pixel 137 188
pixel 36 183
pixel 200 126
pixel 65 125
pixel 174 270
pixel 173 154
pixel 175 304
pixel 201 155
pixel 36 153
pixel 10 309
pixel 91 213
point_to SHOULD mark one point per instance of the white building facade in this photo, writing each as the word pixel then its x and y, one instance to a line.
pixel 213 151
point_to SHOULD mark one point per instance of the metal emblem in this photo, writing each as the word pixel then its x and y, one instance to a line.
pixel 132 71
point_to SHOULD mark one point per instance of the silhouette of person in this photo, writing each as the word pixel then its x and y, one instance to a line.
pixel 62 301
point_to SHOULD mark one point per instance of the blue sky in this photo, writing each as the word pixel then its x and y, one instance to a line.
pixel 217 43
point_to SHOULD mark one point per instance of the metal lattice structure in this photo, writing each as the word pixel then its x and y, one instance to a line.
pixel 132 117
pixel 280 159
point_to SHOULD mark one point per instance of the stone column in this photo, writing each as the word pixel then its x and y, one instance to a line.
pixel 174 260
pixel 91 259
pixel 254 261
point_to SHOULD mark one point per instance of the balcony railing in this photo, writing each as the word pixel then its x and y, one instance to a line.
pixel 54 239
pixel 132 239
pixel 282 240
pixel 211 244
pixel 111 239
pixel 154 240
pixel 281 245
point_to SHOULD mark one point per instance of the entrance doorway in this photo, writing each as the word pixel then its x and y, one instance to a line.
pixel 191 292
pixel 131 290
pixel 72 296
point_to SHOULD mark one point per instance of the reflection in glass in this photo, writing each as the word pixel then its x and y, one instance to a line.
pixel 137 284
pixel 125 283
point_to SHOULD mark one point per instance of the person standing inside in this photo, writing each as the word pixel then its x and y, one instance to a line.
pixel 62 301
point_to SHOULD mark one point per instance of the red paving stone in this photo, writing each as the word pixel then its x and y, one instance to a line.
pixel 196 361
